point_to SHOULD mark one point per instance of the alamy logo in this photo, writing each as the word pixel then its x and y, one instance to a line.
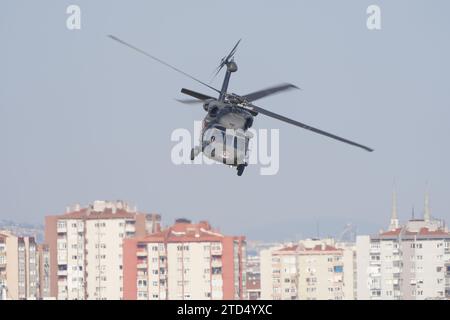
pixel 73 21
pixel 261 147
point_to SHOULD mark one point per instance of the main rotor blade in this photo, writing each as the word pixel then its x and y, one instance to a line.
pixel 189 101
pixel 226 59
pixel 196 95
pixel 162 62
pixel 233 51
pixel 305 126
pixel 269 91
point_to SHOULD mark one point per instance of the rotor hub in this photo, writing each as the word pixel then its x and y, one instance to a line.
pixel 232 66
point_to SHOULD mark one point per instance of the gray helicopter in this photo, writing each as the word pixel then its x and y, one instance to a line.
pixel 224 135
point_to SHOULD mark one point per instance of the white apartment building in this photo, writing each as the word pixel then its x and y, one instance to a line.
pixel 308 270
pixel 253 275
pixel 19 267
pixel 185 261
pixel 405 262
pixel 85 244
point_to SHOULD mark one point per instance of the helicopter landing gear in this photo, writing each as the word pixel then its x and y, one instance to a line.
pixel 240 169
pixel 194 152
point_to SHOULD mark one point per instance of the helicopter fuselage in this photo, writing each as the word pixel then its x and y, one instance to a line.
pixel 225 136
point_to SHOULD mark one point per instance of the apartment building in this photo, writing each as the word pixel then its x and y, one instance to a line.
pixel 308 270
pixel 19 267
pixel 405 262
pixel 85 248
pixel 185 261
pixel 253 285
pixel 44 272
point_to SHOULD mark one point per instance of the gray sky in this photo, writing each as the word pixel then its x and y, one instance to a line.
pixel 83 118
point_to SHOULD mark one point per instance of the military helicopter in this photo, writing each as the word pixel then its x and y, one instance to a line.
pixel 224 135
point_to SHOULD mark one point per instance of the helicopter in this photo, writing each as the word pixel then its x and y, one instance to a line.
pixel 224 135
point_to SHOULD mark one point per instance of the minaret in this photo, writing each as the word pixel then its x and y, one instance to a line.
pixel 427 211
pixel 394 217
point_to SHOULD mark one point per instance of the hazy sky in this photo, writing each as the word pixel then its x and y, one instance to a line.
pixel 84 118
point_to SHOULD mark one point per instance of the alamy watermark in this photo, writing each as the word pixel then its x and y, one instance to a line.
pixel 261 147
pixel 73 21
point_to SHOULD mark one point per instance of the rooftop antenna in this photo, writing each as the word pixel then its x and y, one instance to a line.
pixel 427 211
pixel 317 230
pixel 394 215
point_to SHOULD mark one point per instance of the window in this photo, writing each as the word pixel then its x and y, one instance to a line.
pixel 338 269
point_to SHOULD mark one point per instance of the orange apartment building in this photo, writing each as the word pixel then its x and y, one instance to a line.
pixel 185 261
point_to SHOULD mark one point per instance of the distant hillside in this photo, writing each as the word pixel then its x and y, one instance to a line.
pixel 23 229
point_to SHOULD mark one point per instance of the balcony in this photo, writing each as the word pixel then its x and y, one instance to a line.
pixel 62 259
pixel 142 265
pixel 216 251
pixel 216 263
pixel 142 277
pixel 62 273
pixel 141 253
pixel 396 270
pixel 129 228
pixel 61 230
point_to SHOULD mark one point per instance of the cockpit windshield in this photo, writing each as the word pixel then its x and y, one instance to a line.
pixel 228 138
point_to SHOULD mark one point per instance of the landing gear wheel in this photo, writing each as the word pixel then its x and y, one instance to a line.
pixel 240 169
pixel 195 152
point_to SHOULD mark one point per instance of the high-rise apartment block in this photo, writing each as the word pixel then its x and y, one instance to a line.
pixel 405 262
pixel 308 270
pixel 185 261
pixel 19 267
pixel 85 248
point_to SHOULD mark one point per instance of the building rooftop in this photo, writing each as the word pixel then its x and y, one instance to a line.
pixel 102 209
pixel 309 249
pixel 405 233
pixel 185 231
